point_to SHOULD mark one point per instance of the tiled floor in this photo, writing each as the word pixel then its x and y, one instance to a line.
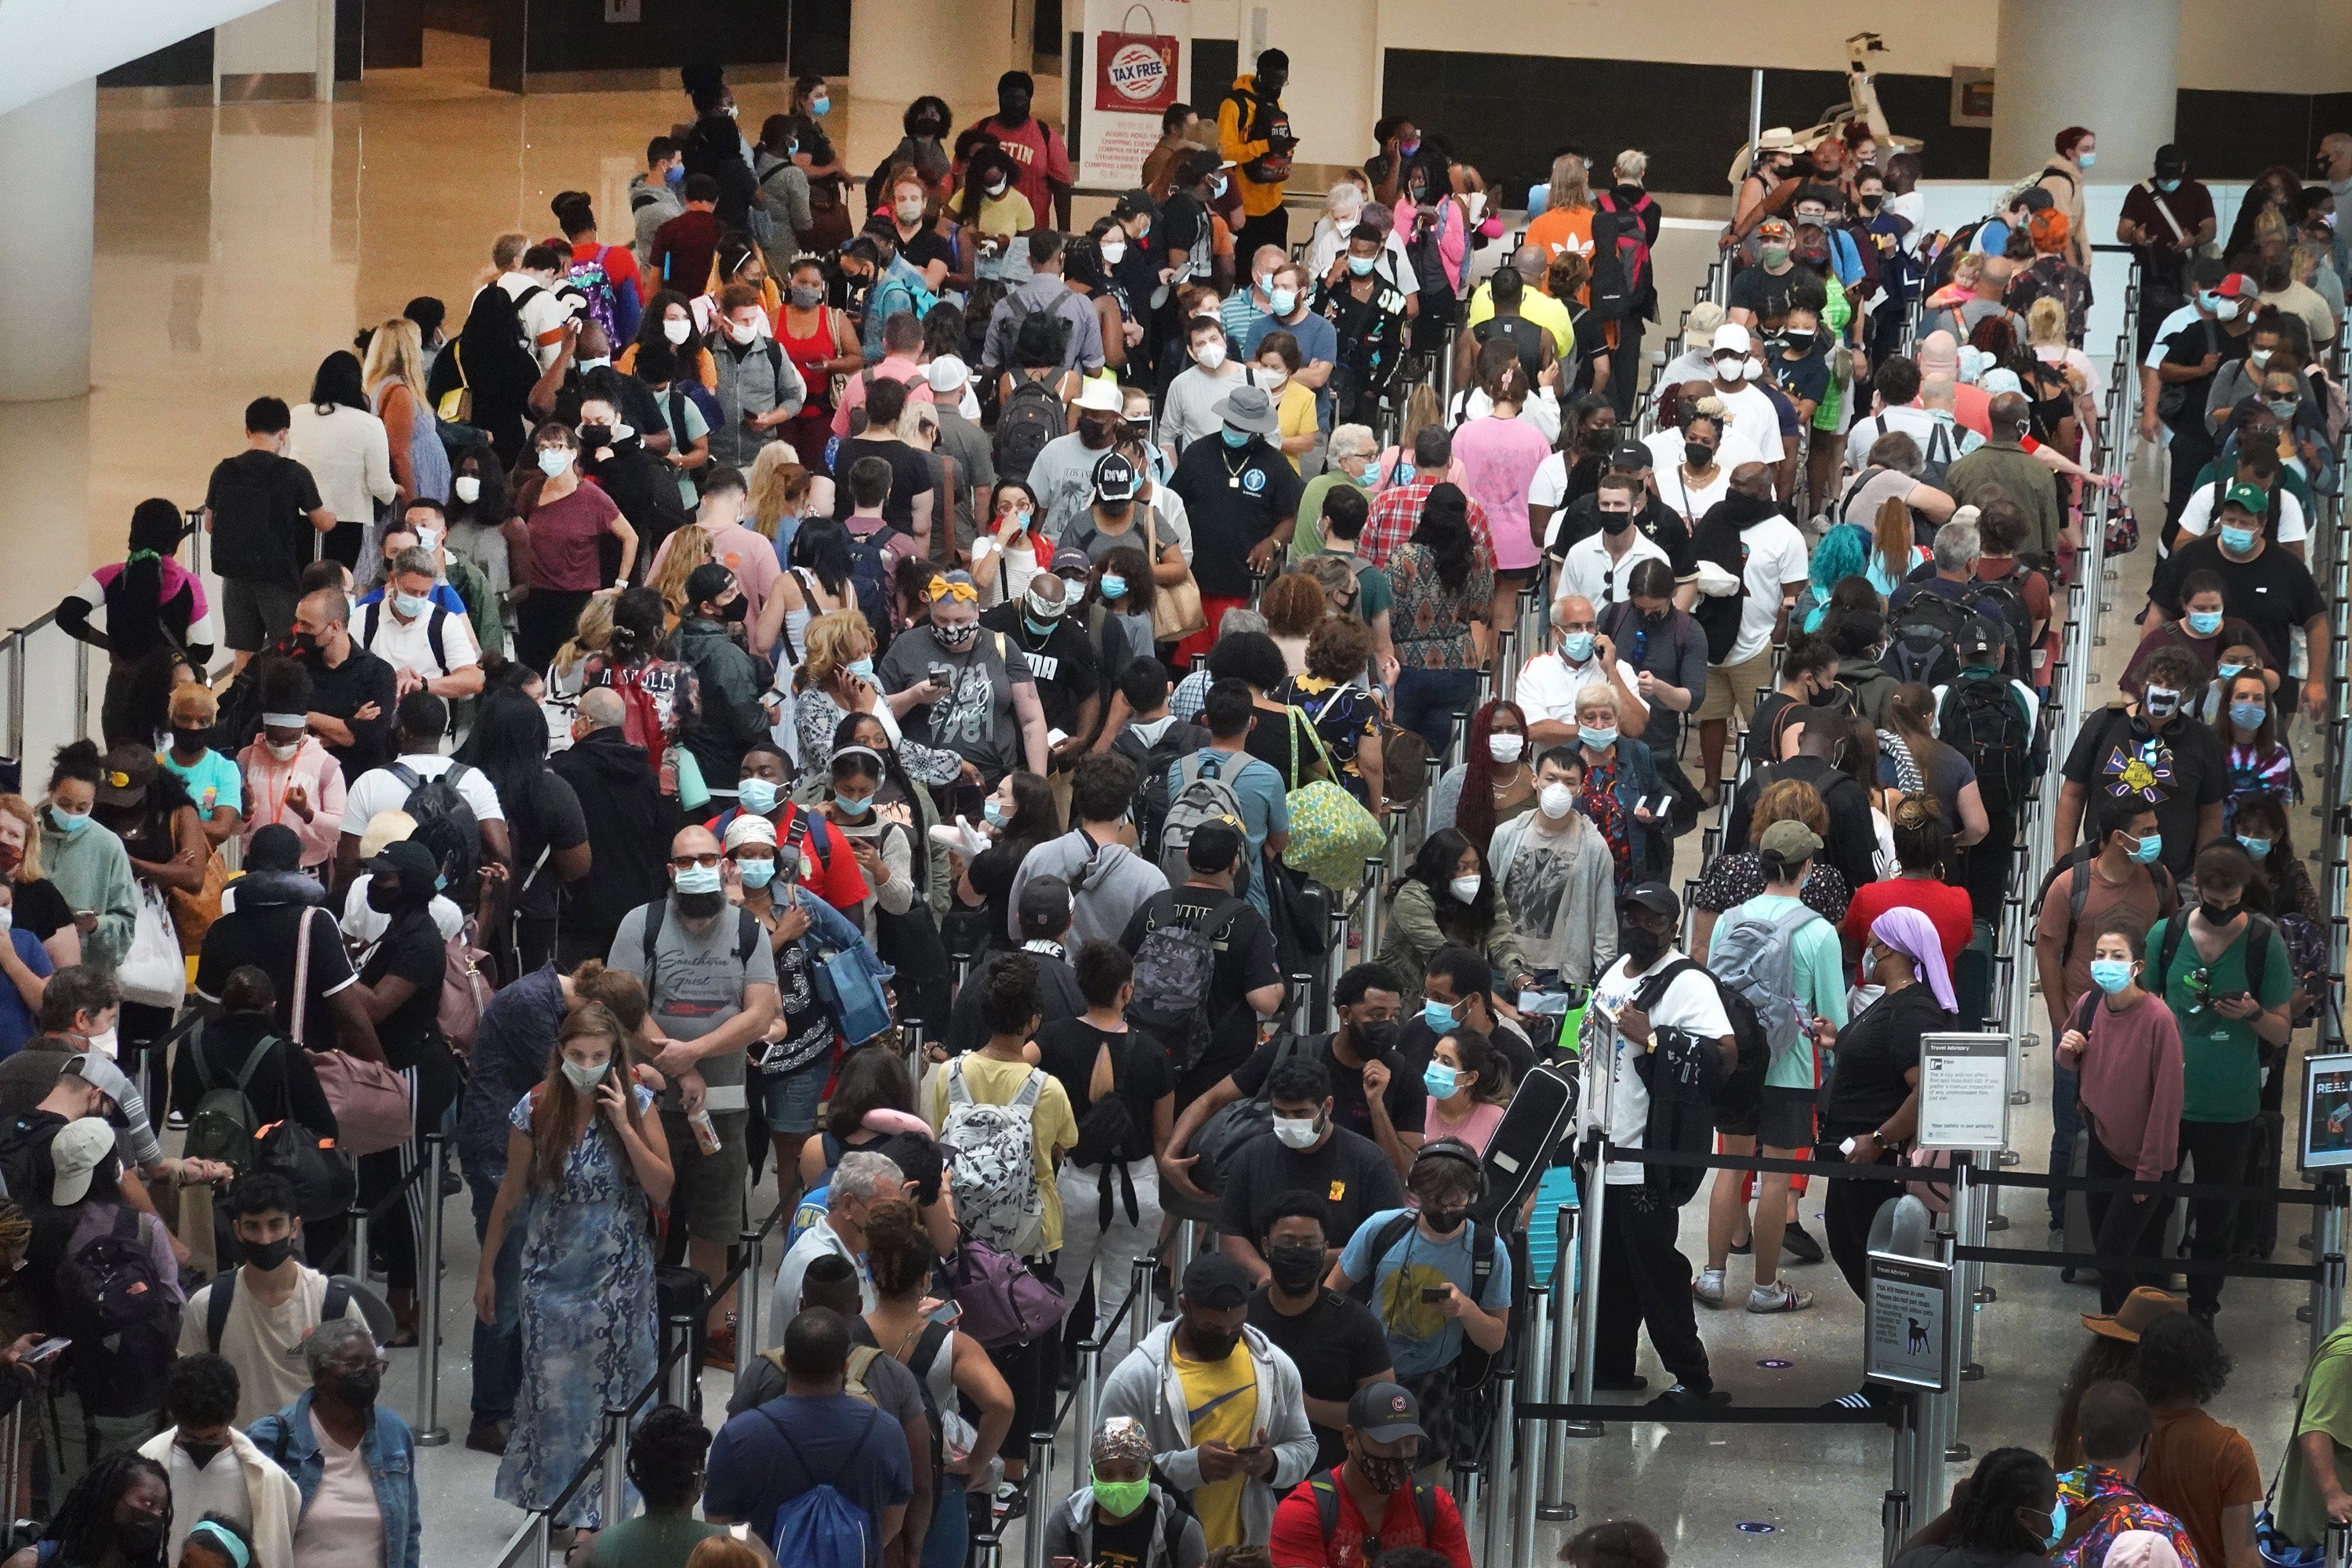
pixel 235 249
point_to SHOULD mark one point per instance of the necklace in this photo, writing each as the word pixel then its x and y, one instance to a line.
pixel 1233 470
pixel 1511 781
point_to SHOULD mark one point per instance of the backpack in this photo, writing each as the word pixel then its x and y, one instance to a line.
pixel 821 1528
pixel 1152 765
pixel 447 826
pixel 1757 959
pixel 109 1281
pixel 991 1153
pixel 216 1305
pixel 224 1122
pixel 1979 718
pixel 371 617
pixel 1620 271
pixel 1473 1365
pixel 869 577
pixel 747 938
pixel 1325 1489
pixel 1173 970
pixel 2078 896
pixel 1738 1094
pixel 603 297
pixel 2002 602
pixel 1924 645
pixel 1236 1124
pixel 1201 797
pixel 1032 417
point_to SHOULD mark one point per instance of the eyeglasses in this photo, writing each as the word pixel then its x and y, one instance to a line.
pixel 680 862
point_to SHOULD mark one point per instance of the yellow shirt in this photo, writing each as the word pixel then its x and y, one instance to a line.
pixel 1003 215
pixel 1051 1125
pixel 1221 1400
pixel 1296 415
pixel 1541 308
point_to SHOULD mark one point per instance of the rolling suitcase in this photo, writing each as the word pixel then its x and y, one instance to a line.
pixel 1541 1115
pixel 683 1293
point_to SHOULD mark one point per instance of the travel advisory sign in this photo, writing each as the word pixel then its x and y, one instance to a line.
pixel 1139 52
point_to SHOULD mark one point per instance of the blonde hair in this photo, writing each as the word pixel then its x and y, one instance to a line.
pixel 832 641
pixel 1421 411
pixel 2045 321
pixel 688 548
pixel 593 634
pixel 1572 182
pixel 1967 269
pixel 1632 164
pixel 724 1551
pixel 28 869
pixel 1790 800
pixel 396 353
pixel 776 487
pixel 1600 694
pixel 507 250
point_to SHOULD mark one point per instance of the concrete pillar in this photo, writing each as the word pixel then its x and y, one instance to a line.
pixel 281 53
pixel 48 177
pixel 2110 65
pixel 900 49
pixel 1334 95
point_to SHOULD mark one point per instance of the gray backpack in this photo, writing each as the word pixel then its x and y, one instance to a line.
pixel 1757 958
pixel 1201 797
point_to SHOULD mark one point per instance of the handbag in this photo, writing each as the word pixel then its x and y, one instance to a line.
pixel 1003 1303
pixel 193 913
pixel 457 404
pixel 370 1102
pixel 1176 609
pixel 323 1179
pixel 1331 833
pixel 848 983
pixel 155 971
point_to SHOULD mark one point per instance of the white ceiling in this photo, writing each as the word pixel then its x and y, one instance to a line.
pixel 46 44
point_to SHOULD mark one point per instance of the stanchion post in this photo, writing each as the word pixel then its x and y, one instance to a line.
pixel 1894 1508
pixel 751 1299
pixel 1032 1531
pixel 1592 1190
pixel 987 1549
pixel 615 1477
pixel 1501 1472
pixel 429 1432
pixel 14 1435
pixel 1467 1499
pixel 2327 1250
pixel 1082 1434
pixel 2339 1545
pixel 1551 1503
pixel 1145 1298
pixel 684 1373
pixel 358 1219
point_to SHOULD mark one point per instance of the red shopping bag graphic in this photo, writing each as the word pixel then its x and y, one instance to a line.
pixel 1134 73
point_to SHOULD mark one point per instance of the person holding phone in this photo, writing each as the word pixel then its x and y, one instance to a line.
pixel 1122 1516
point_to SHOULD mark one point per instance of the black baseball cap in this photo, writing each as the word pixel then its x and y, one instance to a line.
pixel 1976 637
pixel 1134 204
pixel 2170 162
pixel 1215 1281
pixel 1630 455
pixel 1385 1412
pixel 1215 845
pixel 1115 481
pixel 1656 897
pixel 1044 905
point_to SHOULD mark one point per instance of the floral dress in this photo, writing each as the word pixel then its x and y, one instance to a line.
pixel 1598 800
pixel 1431 622
pixel 588 1335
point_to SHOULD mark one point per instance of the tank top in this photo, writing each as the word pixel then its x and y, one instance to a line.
pixel 809 353
pixel 427 458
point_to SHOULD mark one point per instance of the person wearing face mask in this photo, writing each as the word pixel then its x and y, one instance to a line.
pixel 655 196
pixel 1363 294
pixel 1371 1503
pixel 1599 567
pixel 2177 369
pixel 118 1511
pixel 760 388
pixel 2006 1514
pixel 1466 1090
pixel 86 863
pixel 2207 633
pixel 2165 219
pixel 1123 1515
pixel 1557 879
pixel 352 1457
pixel 2112 1522
pixel 1734 366
pixel 1061 657
pixel 216 1472
pixel 1764 289
pixel 212 780
pixel 255 1315
pixel 1188 413
pixel 1449 899
pixel 2262 584
pixel 2259 760
pixel 729 683
pixel 2255 460
pixel 1333 1339
pixel 263 514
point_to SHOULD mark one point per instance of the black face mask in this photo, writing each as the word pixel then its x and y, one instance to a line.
pixel 383 897
pixel 2217 914
pixel 1375 1038
pixel 734 609
pixel 1385 1475
pixel 267 1255
pixel 1096 435
pixel 359 1389
pixel 1868 204
pixel 192 739
pixel 1443 1222
pixel 1601 440
pixel 1616 522
pixel 202 1453
pixel 1698 454
pixel 1296 1269
pixel 594 436
pixel 1209 1346
pixel 142 1538
pixel 1640 944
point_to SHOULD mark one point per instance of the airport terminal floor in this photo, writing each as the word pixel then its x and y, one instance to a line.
pixel 238 245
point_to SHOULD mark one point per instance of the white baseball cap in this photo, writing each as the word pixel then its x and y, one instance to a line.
pixel 79 1149
pixel 1730 338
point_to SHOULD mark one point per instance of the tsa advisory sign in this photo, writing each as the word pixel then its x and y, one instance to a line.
pixel 1909 1300
pixel 1138 55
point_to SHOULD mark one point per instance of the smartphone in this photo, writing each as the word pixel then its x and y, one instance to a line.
pixel 1252 1452
pixel 945 1313
pixel 942 676
pixel 1432 1293
pixel 44 1351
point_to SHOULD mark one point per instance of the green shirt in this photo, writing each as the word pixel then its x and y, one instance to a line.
pixel 649 1541
pixel 1820 980
pixel 2327 1407
pixel 2221 1057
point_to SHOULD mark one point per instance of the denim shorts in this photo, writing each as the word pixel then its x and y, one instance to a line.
pixel 789 1100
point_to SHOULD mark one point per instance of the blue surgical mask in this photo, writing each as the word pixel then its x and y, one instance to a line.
pixel 1576 646
pixel 1282 301
pixel 756 795
pixel 2111 974
pixel 411 606
pixel 1437 1015
pixel 2147 851
pixel 2248 715
pixel 2204 623
pixel 553 460
pixel 861 668
pixel 584 1078
pixel 2058 1514
pixel 1598 739
pixel 697 879
pixel 1361 266
pixel 1439 1079
pixel 2085 160
pixel 2167 185
pixel 756 873
pixel 66 822
pixel 2229 672
pixel 1234 439
pixel 992 810
pixel 675 174
pixel 1114 586
pixel 1217 187
pixel 849 807
pixel 2257 848
pixel 820 107
pixel 2238 539
pixel 2210 301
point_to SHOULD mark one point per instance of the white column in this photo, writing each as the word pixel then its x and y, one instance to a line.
pixel 2109 65
pixel 901 50
pixel 263 53
pixel 49 175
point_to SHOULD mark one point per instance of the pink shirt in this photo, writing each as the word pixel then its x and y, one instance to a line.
pixel 895 367
pixel 750 555
pixel 1498 458
pixel 1473 1129
pixel 267 781
pixel 2132 1085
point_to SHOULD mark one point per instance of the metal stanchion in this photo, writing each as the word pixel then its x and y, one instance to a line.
pixel 987 1549
pixel 1527 1480
pixel 358 1265
pixel 684 1373
pixel 1140 1285
pixel 1895 1508
pixel 11 1475
pixel 2339 1545
pixel 1033 1530
pixel 1188 1247
pixel 429 1432
pixel 2327 1250
pixel 1500 1514
pixel 1592 1191
pixel 1082 1433
pixel 81 689
pixel 1468 1501
pixel 615 1479
pixel 750 1301
pixel 1551 1501
pixel 1944 1444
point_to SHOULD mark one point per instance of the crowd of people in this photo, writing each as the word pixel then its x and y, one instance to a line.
pixel 891 708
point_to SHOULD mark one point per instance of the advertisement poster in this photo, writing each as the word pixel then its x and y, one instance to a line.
pixel 2326 1113
pixel 1138 57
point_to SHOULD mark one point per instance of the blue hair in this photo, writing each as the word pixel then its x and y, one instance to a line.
pixel 1845 551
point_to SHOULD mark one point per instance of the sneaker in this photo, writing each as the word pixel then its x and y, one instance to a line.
pixel 1681 1394
pixel 1779 1297
pixel 488 1436
pixel 176 1123
pixel 1709 1288
pixel 1800 1246
pixel 1011 1502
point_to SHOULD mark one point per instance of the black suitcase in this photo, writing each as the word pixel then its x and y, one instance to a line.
pixel 683 1293
pixel 1542 1114
pixel 2256 1234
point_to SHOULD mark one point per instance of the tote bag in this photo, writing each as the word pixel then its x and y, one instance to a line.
pixel 155 973
pixel 1176 609
pixel 372 1112
pixel 1331 833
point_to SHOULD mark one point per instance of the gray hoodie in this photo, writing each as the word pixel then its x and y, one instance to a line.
pixel 652 203
pixel 1147 1386
pixel 1583 940
pixel 1109 882
pixel 1070 1532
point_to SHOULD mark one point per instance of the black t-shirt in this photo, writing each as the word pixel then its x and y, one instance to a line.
pixel 2188 344
pixel 283 1083
pixel 1245 961
pixel 927 247
pixel 1874 1052
pixel 1764 293
pixel 1336 1344
pixel 1139 1068
pixel 2180 772
pixel 1348 1172
pixel 413 950
pixel 548 820
pixel 1852 846
pixel 341 691
pixel 1126 1543
pixel 1063 662
pixel 1591 336
pixel 991 872
pixel 2273 593
pixel 1807 380
pixel 261 528
pixel 1234 500
pixel 1407 1101
pixel 37 906
pixel 1183 233
pixel 265 936
pixel 1764 731
pixel 1058 997
pixel 910 475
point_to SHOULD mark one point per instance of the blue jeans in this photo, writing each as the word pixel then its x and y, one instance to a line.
pixel 949 1537
pixel 497 1347
pixel 2065 1120
pixel 1427 700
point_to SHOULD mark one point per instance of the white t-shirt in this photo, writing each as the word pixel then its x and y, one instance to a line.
pixel 2197 515
pixel 363 925
pixel 1690 1003
pixel 1776 555
pixel 264 1343
pixel 217 1487
pixel 1586 569
pixel 379 789
pixel 342 1526
pixel 542 313
pixel 1911 420
pixel 410 647
pixel 1548 684
pixel 1692 501
pixel 1753 416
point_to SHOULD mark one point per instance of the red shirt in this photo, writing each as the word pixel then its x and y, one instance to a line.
pixel 619 264
pixel 1949 907
pixel 1396 512
pixel 1299 1542
pixel 832 869
pixel 683 249
pixel 1040 155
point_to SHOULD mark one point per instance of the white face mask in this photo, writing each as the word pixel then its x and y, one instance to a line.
pixel 677 330
pixel 285 754
pixel 1505 747
pixel 1113 252
pixel 1556 801
pixel 469 488
pixel 1295 1131
pixel 909 209
pixel 1466 889
pixel 743 332
pixel 1272 380
pixel 1210 355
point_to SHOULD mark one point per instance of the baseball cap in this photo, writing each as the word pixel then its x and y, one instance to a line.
pixel 1774 230
pixel 1211 1280
pixel 1791 841
pixel 1215 847
pixel 947 373
pixel 1630 454
pixel 1700 326
pixel 1114 481
pixel 2237 286
pixel 385 827
pixel 410 861
pixel 2252 498
pixel 1133 204
pixel 130 769
pixel 1045 904
pixel 1070 558
pixel 1730 338
pixel 2170 163
pixel 1976 637
pixel 79 1149
pixel 1385 1412
pixel 1655 896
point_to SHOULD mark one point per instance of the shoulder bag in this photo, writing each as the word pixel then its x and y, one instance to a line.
pixel 372 1112
pixel 1176 609
pixel 1331 833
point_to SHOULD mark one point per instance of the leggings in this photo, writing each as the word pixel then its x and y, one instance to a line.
pixel 433 1087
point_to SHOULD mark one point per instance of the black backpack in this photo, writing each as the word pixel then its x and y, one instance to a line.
pixel 1924 644
pixel 1981 718
pixel 216 1305
pixel 445 826
pixel 110 1282
pixel 1152 762
pixel 2260 932
pixel 2001 602
pixel 1621 261
pixel 1733 1096
pixel 225 1122
pixel 1030 418
pixel 869 578
pixel 371 617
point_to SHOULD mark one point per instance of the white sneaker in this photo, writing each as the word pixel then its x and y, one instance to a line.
pixel 1779 1297
pixel 1709 1288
